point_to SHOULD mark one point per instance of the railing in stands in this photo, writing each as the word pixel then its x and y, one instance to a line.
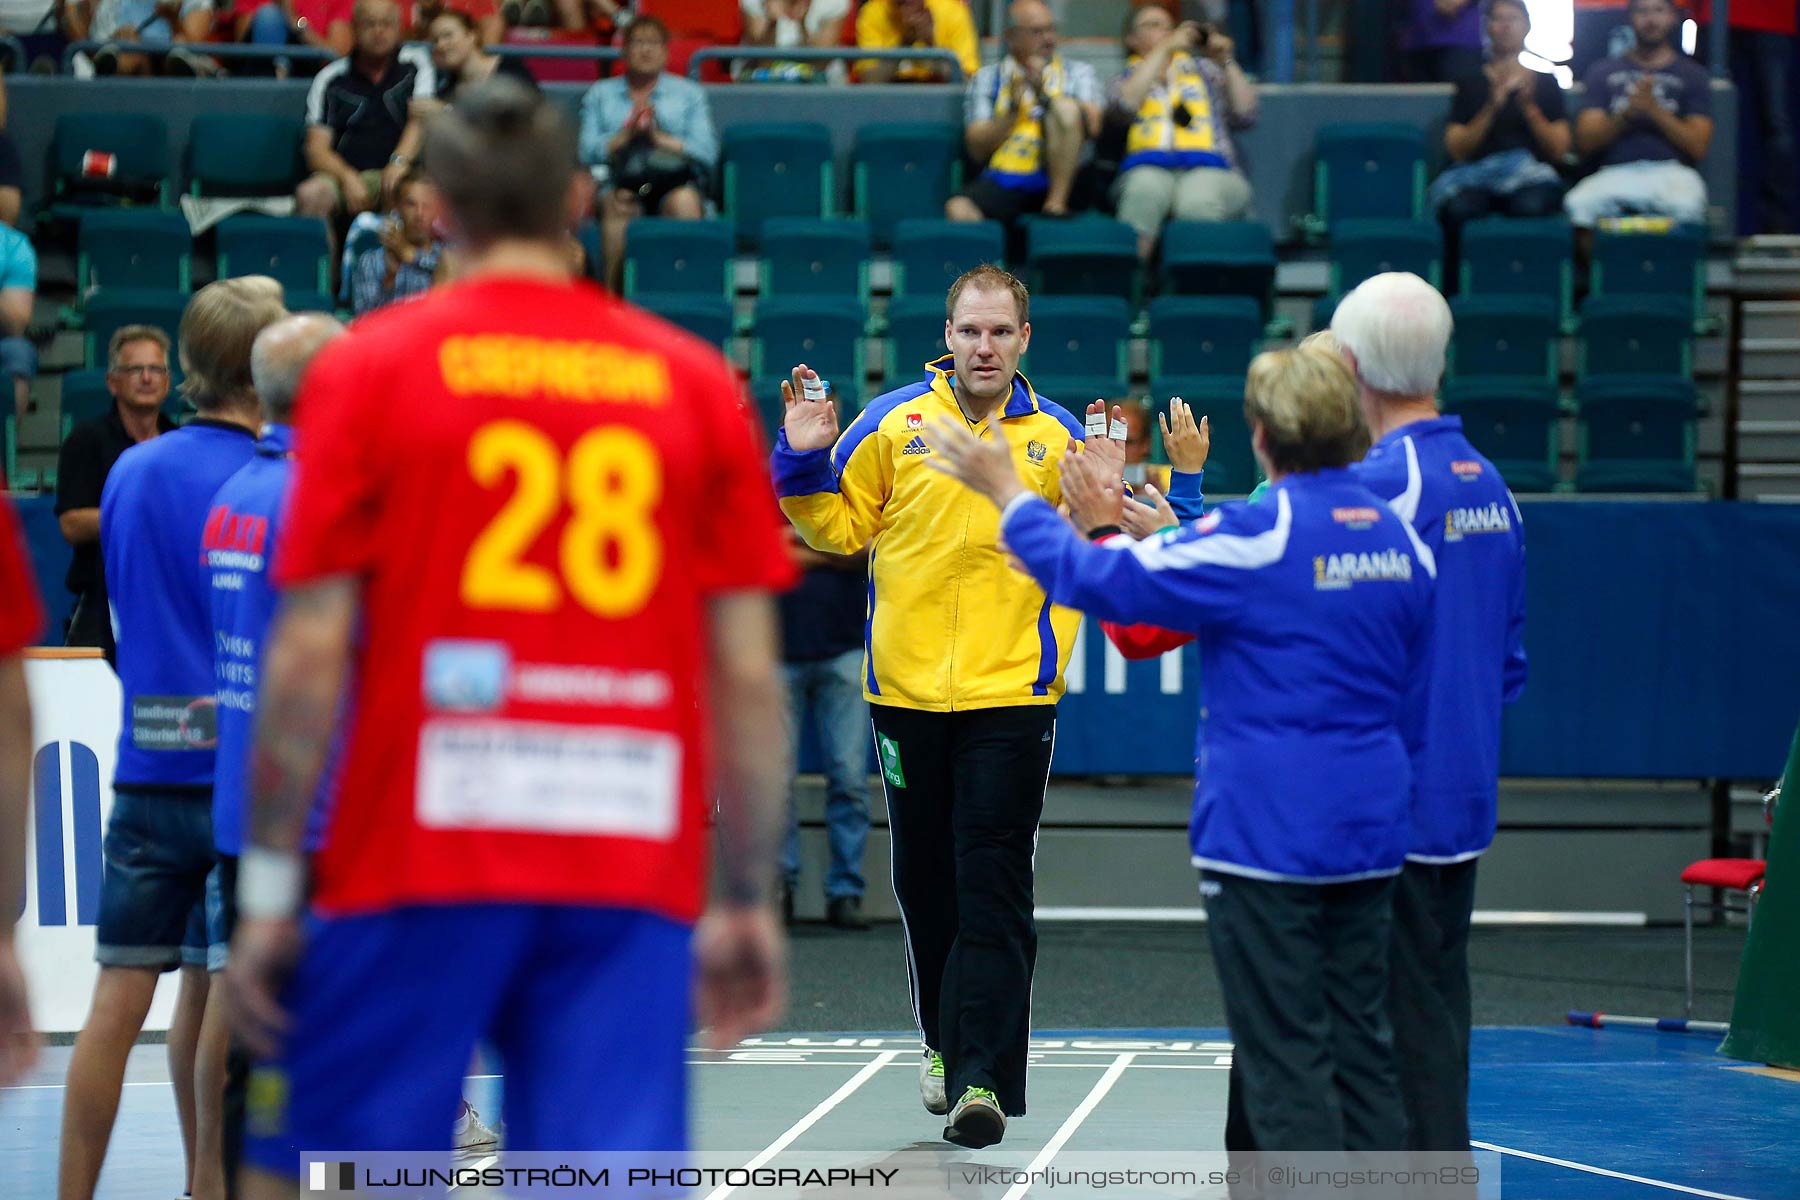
pixel 312 54
pixel 14 50
pixel 823 54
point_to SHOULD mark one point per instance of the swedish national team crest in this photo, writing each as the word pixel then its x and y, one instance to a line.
pixel 1036 451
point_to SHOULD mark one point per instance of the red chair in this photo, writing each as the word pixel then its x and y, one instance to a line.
pixel 1741 876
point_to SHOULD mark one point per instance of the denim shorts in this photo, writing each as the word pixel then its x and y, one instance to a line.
pixel 18 358
pixel 159 852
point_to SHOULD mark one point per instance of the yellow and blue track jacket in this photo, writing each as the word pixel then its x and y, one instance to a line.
pixel 949 625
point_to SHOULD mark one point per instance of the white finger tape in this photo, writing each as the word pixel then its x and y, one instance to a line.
pixel 1116 430
pixel 1096 424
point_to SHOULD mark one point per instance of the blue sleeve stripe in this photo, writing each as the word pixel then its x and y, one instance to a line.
pixel 869 628
pixel 800 472
pixel 1076 429
pixel 870 420
pixel 1046 652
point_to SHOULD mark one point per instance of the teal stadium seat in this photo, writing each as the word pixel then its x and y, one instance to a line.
pixel 310 300
pixel 1362 248
pixel 1636 335
pixel 825 334
pixel 929 254
pixel 1078 348
pixel 1510 335
pixel 809 257
pixel 667 258
pixel 915 336
pixel 134 248
pixel 1087 256
pixel 708 318
pixel 1671 265
pixel 292 250
pixel 109 309
pixel 776 170
pixel 1520 256
pixel 1231 468
pixel 1513 421
pixel 904 171
pixel 139 143
pixel 244 154
pixel 1204 335
pixel 1220 258
pixel 1637 434
pixel 84 397
pixel 1374 170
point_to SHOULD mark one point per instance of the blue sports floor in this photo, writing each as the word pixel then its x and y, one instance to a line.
pixel 1575 1113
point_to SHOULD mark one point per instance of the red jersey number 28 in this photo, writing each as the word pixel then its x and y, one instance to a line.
pixel 610 553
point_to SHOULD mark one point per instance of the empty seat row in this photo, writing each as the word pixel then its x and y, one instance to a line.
pixel 148 248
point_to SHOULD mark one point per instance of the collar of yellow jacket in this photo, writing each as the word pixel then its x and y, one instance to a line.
pixel 941 374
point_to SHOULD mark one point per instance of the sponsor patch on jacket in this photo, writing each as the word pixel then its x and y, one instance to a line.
pixel 1466 469
pixel 1492 518
pixel 916 446
pixel 915 420
pixel 1333 572
pixel 1355 518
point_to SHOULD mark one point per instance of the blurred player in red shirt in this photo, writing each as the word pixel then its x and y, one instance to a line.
pixel 530 548
pixel 21 620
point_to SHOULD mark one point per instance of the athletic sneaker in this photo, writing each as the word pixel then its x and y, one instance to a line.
pixel 472 1136
pixel 977 1121
pixel 931 1084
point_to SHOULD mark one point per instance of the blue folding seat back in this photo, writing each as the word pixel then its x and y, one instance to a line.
pixel 293 250
pixel 1636 435
pixel 138 142
pixel 826 335
pixel 806 257
pixel 1089 256
pixel 110 309
pixel 587 235
pixel 776 170
pixel 929 254
pixel 1231 258
pixel 1372 170
pixel 915 336
pixel 1231 468
pixel 706 317
pixel 1519 256
pixel 1505 335
pixel 1671 264
pixel 244 154
pixel 1364 248
pixel 904 170
pixel 134 248
pixel 1203 335
pixel 84 397
pixel 1513 421
pixel 1079 337
pixel 678 257
pixel 1636 335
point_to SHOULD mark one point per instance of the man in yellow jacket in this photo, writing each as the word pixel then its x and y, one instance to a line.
pixel 963 667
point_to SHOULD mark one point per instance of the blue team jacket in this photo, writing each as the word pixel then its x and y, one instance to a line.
pixel 1313 615
pixel 1461 508
pixel 153 514
pixel 240 545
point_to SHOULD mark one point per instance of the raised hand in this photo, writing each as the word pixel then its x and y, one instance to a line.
pixel 1092 488
pixel 809 424
pixel 982 464
pixel 1186 442
pixel 1109 451
pixel 1141 519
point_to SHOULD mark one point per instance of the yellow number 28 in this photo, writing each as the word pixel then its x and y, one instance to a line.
pixel 611 553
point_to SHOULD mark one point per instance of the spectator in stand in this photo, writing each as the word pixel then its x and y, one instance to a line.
pixel 1645 122
pixel 1180 98
pixel 602 18
pixel 786 24
pixel 12 171
pixel 321 24
pixel 648 137
pixel 1443 40
pixel 484 17
pixel 1507 131
pixel 406 262
pixel 18 293
pixel 1761 48
pixel 1030 116
pixel 459 54
pixel 911 24
pixel 144 22
pixel 358 144
pixel 137 375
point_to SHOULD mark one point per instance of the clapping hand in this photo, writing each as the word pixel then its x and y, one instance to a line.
pixel 1641 101
pixel 1186 442
pixel 982 464
pixel 1140 519
pixel 809 424
pixel 1091 485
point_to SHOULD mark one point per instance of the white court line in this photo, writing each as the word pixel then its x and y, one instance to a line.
pixel 1575 1166
pixel 810 1119
pixel 1069 1126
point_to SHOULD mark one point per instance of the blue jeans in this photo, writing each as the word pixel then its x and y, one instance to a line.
pixel 831 690
pixel 268 27
pixel 18 358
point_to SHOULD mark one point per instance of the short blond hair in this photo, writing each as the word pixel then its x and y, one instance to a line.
pixel 1322 339
pixel 989 278
pixel 125 335
pixel 1305 399
pixel 217 331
